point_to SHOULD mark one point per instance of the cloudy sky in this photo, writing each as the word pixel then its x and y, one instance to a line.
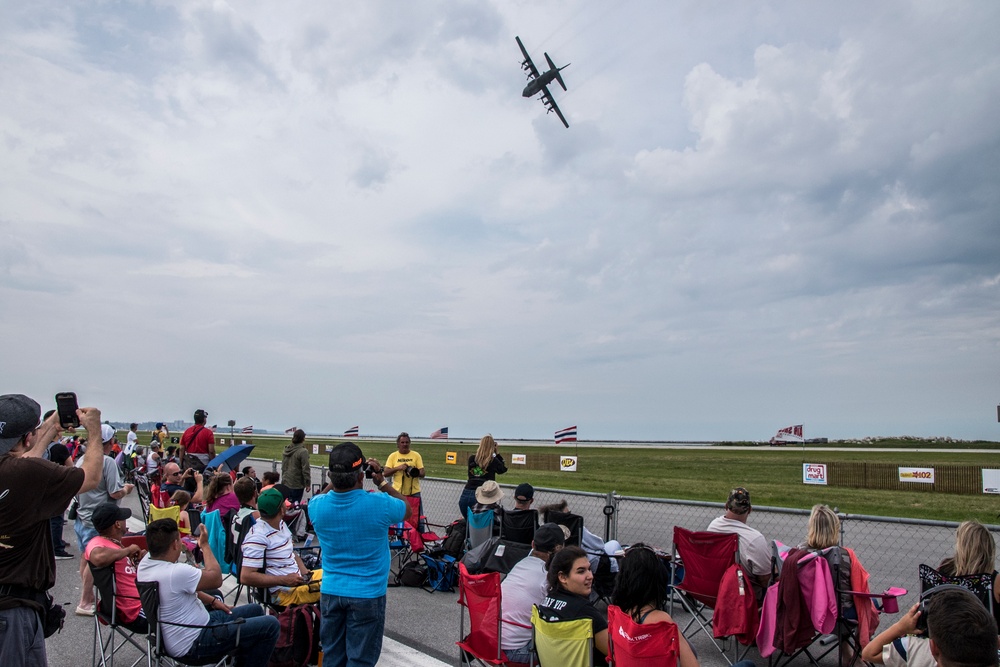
pixel 328 214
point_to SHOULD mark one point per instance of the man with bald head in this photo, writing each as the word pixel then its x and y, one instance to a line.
pixel 172 479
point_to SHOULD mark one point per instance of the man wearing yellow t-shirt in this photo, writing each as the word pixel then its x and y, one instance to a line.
pixel 405 466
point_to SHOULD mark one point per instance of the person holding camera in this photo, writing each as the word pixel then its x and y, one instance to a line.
pixel 174 480
pixel 405 466
pixel 34 490
pixel 351 526
pixel 484 465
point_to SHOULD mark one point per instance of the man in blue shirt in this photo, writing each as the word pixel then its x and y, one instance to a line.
pixel 352 527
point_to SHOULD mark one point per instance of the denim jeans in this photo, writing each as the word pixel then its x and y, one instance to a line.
pixel 466 500
pixel 351 630
pixel 258 635
pixel 85 532
pixel 22 642
pixel 522 654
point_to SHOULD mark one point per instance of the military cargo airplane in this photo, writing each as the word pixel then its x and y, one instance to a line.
pixel 539 82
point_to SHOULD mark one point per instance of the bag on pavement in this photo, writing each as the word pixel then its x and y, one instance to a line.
pixel 298 638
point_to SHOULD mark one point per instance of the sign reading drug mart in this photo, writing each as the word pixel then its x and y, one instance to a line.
pixel 919 475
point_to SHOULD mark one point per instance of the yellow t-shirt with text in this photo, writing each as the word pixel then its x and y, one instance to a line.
pixel 402 482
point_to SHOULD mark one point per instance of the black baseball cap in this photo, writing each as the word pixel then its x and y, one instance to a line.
pixel 346 457
pixel 18 416
pixel 106 514
pixel 524 491
pixel 548 536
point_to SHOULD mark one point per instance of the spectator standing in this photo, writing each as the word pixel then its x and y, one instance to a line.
pixel 754 554
pixel 524 587
pixel 405 466
pixel 33 490
pixel 183 599
pixel 132 440
pixel 351 526
pixel 197 443
pixel 107 550
pixel 295 471
pixel 109 489
pixel 484 465
pixel 58 453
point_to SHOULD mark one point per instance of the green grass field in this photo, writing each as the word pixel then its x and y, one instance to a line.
pixel 774 476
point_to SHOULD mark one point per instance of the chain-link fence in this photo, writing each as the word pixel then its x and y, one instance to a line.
pixel 889 548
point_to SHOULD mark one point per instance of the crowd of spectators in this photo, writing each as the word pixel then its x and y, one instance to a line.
pixel 350 525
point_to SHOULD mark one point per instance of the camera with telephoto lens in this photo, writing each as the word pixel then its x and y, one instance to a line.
pixel 412 472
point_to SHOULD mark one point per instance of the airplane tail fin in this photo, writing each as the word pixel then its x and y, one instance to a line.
pixel 552 66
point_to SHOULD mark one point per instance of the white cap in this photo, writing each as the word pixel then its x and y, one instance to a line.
pixel 107 432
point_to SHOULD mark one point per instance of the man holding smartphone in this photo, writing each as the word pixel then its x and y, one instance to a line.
pixel 31 491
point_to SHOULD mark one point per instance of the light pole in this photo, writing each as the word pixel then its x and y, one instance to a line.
pixel 232 438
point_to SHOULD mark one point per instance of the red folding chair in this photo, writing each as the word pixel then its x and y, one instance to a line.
pixel 704 557
pixel 480 595
pixel 633 645
pixel 418 533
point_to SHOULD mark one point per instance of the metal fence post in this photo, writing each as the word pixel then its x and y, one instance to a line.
pixel 611 517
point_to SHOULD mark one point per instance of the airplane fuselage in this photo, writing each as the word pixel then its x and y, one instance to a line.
pixel 535 85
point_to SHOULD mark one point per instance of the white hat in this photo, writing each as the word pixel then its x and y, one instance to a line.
pixel 489 493
pixel 107 432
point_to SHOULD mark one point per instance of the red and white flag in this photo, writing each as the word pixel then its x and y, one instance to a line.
pixel 289 431
pixel 248 429
pixel 789 434
pixel 440 434
pixel 352 432
pixel 566 435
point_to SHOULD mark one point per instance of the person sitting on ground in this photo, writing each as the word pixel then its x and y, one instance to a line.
pixel 641 592
pixel 268 546
pixel 107 550
pixel 975 553
pixel 754 554
pixel 568 597
pixel 183 599
pixel 220 496
pixel 524 587
pixel 172 480
pixel 961 633
pixel 484 466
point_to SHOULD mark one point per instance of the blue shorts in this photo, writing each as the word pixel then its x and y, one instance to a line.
pixel 85 532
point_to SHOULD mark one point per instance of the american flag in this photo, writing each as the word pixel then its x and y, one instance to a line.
pixel 566 435
pixel 289 431
pixel 248 429
pixel 352 432
pixel 440 434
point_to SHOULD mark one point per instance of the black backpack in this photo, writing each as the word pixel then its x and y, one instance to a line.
pixel 454 541
pixel 298 639
pixel 412 574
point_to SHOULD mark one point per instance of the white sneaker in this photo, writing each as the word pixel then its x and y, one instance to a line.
pixel 85 610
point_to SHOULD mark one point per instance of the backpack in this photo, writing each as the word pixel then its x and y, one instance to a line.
pixel 298 638
pixel 454 541
pixel 442 572
pixel 412 574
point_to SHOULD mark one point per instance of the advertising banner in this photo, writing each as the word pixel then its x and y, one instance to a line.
pixel 991 480
pixel 567 463
pixel 315 449
pixel 519 459
pixel 920 475
pixel 451 458
pixel 814 473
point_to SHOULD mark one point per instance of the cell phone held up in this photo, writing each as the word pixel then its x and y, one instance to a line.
pixel 67 406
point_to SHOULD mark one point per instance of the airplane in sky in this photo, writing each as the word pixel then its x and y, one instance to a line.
pixel 539 82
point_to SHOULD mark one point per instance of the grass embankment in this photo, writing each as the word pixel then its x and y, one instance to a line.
pixel 774 476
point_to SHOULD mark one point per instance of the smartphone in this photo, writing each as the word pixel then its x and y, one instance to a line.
pixel 67 406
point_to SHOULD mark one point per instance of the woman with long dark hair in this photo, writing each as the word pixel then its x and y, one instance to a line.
pixel 484 465
pixel 568 599
pixel 641 592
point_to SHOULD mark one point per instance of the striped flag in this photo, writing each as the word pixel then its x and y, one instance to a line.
pixel 352 432
pixel 289 431
pixel 566 435
pixel 788 434
pixel 248 429
pixel 440 434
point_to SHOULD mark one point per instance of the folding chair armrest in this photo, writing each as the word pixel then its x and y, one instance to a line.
pixel 886 601
pixel 520 625
pixel 235 621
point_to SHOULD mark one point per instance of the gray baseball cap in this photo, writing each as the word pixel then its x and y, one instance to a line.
pixel 18 415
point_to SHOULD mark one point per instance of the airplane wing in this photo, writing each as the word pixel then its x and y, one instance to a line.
pixel 527 65
pixel 551 105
